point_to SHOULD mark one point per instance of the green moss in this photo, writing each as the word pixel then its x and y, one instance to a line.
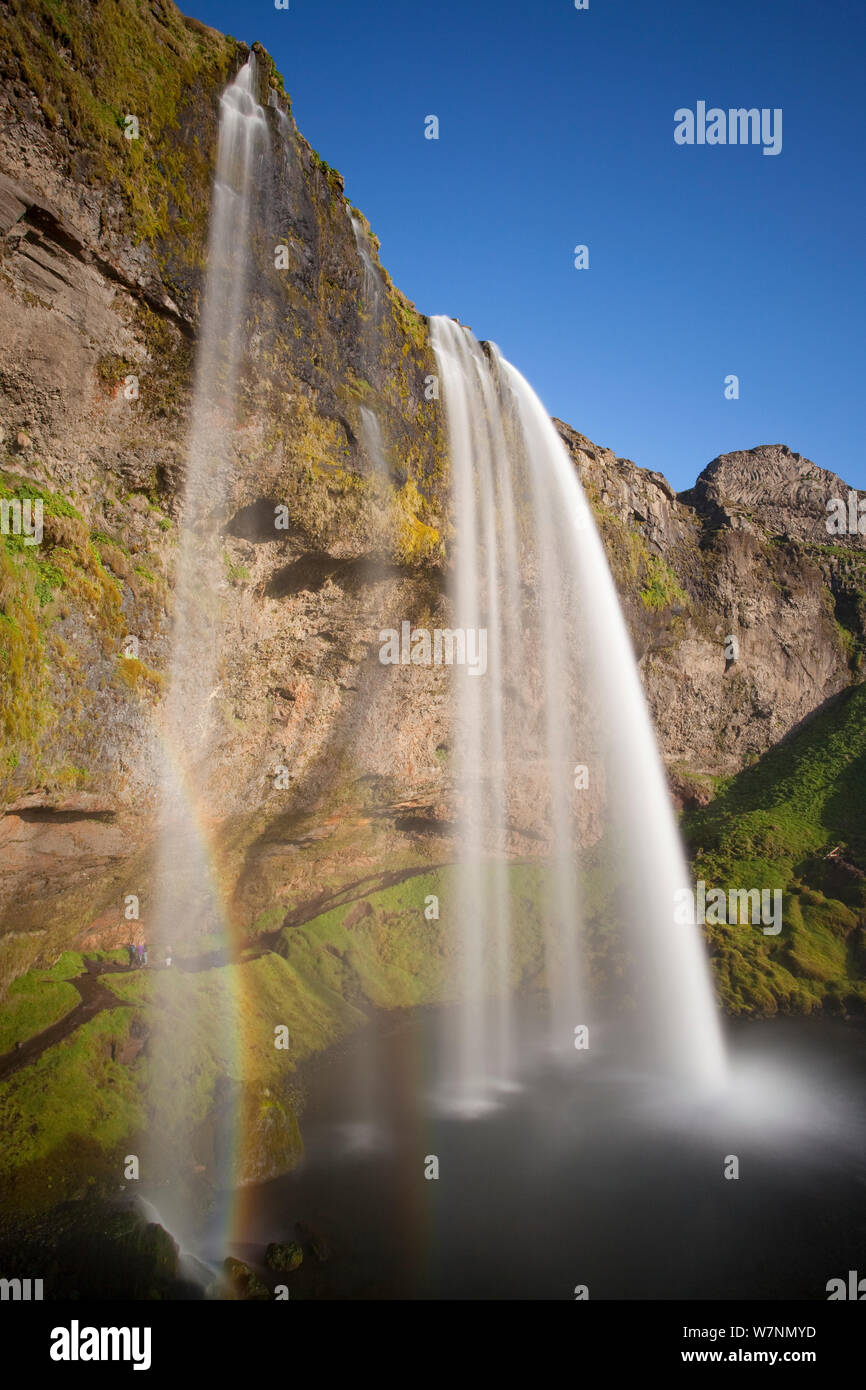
pixel 267 921
pixel 660 588
pixel 634 565
pixel 235 573
pixel 34 1002
pixel 23 684
pixel 76 1091
pixel 44 690
pixel 409 322
pixel 165 380
pixel 274 76
pixel 415 541
pixel 113 370
pixel 126 57
pixel 786 823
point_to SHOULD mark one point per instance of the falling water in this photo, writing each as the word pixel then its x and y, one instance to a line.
pixel 374 447
pixel 372 278
pixel 371 304
pixel 561 693
pixel 189 1042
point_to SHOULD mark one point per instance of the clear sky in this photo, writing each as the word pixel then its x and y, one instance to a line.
pixel 556 129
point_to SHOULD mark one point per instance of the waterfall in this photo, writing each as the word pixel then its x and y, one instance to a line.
pixel 371 307
pixel 187 918
pixel 372 278
pixel 374 447
pixel 555 743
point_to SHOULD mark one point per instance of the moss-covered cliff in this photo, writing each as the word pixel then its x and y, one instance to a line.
pixel 101 276
pixel 101 270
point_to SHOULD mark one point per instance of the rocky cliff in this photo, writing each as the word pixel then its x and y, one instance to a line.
pixel 747 617
pixel 103 250
pixel 102 260
pixel 745 554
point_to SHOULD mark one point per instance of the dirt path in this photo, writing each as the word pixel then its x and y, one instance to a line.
pixel 94 997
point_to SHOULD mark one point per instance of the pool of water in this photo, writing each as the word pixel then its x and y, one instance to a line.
pixel 585 1175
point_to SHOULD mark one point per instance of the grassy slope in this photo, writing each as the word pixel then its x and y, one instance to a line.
pixel 321 981
pixel 68 1114
pixel 34 1003
pixel 772 826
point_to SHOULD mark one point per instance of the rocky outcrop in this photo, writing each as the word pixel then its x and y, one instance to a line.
pixel 746 555
pixel 770 491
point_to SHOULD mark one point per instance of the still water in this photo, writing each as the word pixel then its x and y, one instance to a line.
pixel 583 1176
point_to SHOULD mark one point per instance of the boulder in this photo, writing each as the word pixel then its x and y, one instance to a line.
pixel 284 1257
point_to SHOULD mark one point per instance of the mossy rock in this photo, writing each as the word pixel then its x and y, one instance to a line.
pixel 94 1249
pixel 243 1282
pixel 284 1258
pixel 272 1140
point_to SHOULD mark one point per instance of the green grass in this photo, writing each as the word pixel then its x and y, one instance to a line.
pixel 772 826
pixel 68 966
pixel 45 995
pixel 73 1099
pixel 381 950
pixel 34 1002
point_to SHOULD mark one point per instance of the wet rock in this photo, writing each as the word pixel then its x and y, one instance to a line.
pixel 95 1249
pixel 272 1141
pixel 314 1242
pixel 243 1282
pixel 284 1257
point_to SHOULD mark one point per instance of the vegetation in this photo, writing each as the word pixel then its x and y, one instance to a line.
pixel 65 1117
pixel 91 67
pixel 659 588
pixel 634 565
pixel 39 584
pixel 796 821
pixel 34 1002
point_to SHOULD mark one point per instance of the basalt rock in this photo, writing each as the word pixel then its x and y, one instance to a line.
pixel 730 559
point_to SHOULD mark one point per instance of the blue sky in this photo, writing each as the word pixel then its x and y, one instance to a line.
pixel 556 129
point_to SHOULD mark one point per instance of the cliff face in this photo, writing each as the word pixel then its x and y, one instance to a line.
pixel 101 265
pixel 103 252
pixel 744 554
